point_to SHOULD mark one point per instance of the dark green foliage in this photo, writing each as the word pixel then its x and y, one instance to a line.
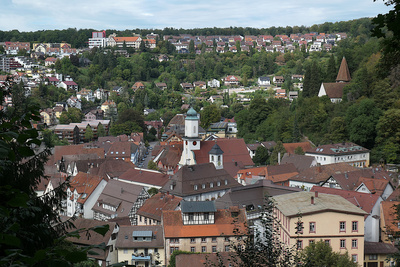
pixel 73 115
pixel 261 156
pixel 320 254
pixel 279 150
pixel 209 115
pixel 331 71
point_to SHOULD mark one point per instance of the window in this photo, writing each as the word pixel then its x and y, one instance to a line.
pixel 327 241
pixel 354 243
pixel 125 251
pixel 203 239
pixel 373 257
pixel 227 248
pixel 206 216
pixel 299 228
pixel 354 257
pixel 211 185
pixel 214 239
pixel 175 240
pixel 218 183
pixel 342 226
pixel 311 242
pixel 354 226
pixel 212 158
pixel 203 186
pixel 214 249
pixel 203 249
pixel 156 250
pixel 192 249
pixel 192 240
pixel 226 182
pixel 116 152
pixel 191 216
pixel 342 243
pixel 195 187
pixel 312 227
pixel 299 244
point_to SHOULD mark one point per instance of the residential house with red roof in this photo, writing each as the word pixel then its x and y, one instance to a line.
pixel 390 226
pixel 369 203
pixel 82 194
pixel 231 80
pixel 144 177
pixel 291 147
pixel 347 152
pixel 68 85
pixel 141 245
pixel 301 162
pixel 120 199
pixel 137 86
pixel 120 42
pixel 200 227
pixel 317 175
pixel 151 211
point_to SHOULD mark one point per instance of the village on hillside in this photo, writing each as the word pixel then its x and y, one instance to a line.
pixel 191 193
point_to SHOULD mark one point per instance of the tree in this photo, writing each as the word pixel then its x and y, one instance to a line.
pixel 299 151
pixel 320 254
pixel 210 114
pixel 191 47
pixel 261 156
pixel 331 70
pixel 31 231
pixel 388 135
pixel 152 165
pixel 387 26
pixel 263 247
pixel 101 131
pixel 89 133
pixel 73 115
pixel 279 150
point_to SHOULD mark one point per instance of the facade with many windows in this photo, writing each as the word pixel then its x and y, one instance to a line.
pixel 200 227
pixel 321 217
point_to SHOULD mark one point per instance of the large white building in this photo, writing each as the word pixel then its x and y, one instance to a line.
pixel 98 40
pixel 351 153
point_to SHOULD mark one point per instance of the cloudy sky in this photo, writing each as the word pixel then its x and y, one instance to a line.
pixel 28 15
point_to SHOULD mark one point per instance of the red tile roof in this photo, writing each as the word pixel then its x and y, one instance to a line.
pixel 362 200
pixel 145 177
pixel 84 183
pixel 235 150
pixel 154 206
pixel 291 147
pixel 225 225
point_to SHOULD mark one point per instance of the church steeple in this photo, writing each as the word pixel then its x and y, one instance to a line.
pixel 344 73
pixel 191 139
pixel 215 156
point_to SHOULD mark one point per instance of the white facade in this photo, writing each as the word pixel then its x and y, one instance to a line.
pixel 191 140
pixel 357 159
pixel 98 42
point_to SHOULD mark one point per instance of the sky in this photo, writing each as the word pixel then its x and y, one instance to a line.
pixel 28 15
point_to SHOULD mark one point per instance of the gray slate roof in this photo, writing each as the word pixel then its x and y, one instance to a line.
pixel 198 206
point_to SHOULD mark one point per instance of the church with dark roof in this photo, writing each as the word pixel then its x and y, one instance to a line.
pixel 335 90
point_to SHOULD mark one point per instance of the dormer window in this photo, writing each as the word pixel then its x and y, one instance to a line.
pixel 203 186
pixel 116 152
pixel 226 182
pixel 195 187
pixel 218 183
pixel 211 185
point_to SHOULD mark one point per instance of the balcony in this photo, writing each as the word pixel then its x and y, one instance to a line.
pixel 141 257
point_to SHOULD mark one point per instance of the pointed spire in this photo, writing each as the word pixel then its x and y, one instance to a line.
pixel 344 73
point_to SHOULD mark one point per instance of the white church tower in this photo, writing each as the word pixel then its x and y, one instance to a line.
pixel 191 140
pixel 215 156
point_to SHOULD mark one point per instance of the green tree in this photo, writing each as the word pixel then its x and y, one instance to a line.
pixel 331 71
pixel 261 156
pixel 388 135
pixel 191 47
pixel 89 133
pixel 210 114
pixel 299 151
pixel 152 165
pixel 101 131
pixel 279 150
pixel 73 115
pixel 320 254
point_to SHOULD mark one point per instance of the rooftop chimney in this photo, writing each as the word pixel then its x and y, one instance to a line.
pixel 312 200
pixel 316 193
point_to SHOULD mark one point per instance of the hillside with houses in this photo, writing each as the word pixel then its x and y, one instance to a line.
pixel 183 144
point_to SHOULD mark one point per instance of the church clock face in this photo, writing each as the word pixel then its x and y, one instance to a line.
pixel 194 143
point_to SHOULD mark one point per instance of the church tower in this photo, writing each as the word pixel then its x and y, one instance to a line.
pixel 216 157
pixel 344 73
pixel 191 140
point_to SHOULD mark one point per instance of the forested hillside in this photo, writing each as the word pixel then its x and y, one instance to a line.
pixel 369 114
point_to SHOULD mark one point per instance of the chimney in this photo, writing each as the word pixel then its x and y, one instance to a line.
pixel 319 169
pixel 312 200
pixel 316 193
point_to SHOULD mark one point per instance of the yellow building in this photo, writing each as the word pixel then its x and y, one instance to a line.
pixel 141 246
pixel 321 217
pixel 375 254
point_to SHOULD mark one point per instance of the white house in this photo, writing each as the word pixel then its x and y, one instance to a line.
pixel 214 83
pixel 351 153
pixel 264 81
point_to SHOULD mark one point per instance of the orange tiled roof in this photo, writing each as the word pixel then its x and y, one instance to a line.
pixel 84 183
pixel 126 39
pixel 389 215
pixel 224 225
pixel 291 147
